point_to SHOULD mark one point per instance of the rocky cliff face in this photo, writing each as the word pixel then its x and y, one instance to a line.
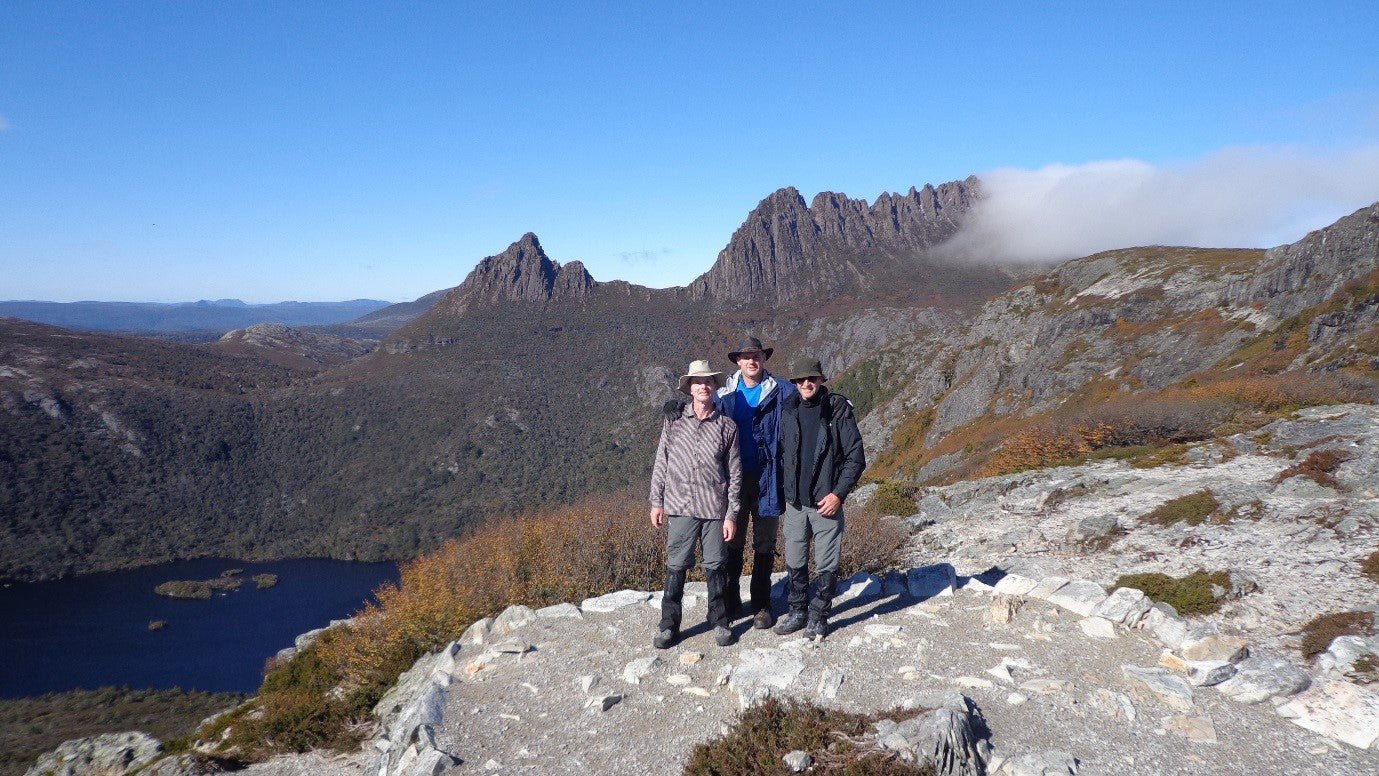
pixel 522 273
pixel 789 252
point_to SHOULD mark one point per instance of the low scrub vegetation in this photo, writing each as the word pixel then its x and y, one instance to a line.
pixel 1147 428
pixel 1370 566
pixel 1189 595
pixel 1193 509
pixel 1318 466
pixel 1320 631
pixel 834 740
pixel 31 726
pixel 892 498
pixel 323 697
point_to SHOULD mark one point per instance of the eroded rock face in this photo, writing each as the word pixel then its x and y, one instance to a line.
pixel 110 754
pixel 522 273
pixel 788 252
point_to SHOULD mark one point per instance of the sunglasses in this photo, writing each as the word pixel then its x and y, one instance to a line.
pixel 815 380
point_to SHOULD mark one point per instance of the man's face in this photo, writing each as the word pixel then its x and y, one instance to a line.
pixel 751 364
pixel 701 388
pixel 807 386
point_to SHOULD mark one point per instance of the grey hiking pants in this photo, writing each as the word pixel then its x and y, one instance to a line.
pixel 803 525
pixel 683 532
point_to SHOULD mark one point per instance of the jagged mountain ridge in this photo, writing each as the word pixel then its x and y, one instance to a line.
pixel 786 252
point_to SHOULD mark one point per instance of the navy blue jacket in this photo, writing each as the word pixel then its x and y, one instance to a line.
pixel 766 429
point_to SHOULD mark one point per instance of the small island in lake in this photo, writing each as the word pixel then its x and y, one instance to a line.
pixel 198 589
pixel 265 581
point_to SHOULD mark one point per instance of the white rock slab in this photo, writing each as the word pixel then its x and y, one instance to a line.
pixel 478 632
pixel 614 601
pixel 559 612
pixel 860 586
pixel 1080 597
pixel 1168 629
pixel 687 601
pixel 1215 647
pixel 1098 627
pixel 829 682
pixel 1340 710
pixel 1014 584
pixel 1047 587
pixel 637 670
pixel 1258 679
pixel 766 667
pixel 931 581
pixel 512 618
pixel 1170 689
pixel 1125 606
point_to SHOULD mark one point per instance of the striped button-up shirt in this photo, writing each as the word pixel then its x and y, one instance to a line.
pixel 698 469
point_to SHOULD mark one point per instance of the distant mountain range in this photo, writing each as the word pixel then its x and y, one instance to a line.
pixel 532 382
pixel 211 318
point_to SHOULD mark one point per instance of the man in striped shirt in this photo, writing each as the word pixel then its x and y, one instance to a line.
pixel 695 483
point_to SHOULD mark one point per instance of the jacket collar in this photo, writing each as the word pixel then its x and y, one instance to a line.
pixel 768 384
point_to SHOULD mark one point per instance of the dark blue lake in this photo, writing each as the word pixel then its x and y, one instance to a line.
pixel 92 630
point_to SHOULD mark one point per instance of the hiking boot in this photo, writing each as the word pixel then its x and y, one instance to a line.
pixel 816 630
pixel 763 619
pixel 665 639
pixel 762 565
pixel 790 623
pixel 723 636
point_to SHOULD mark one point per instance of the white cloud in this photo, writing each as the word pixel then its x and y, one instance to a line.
pixel 1237 197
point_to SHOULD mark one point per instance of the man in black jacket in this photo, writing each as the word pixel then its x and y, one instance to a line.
pixel 821 461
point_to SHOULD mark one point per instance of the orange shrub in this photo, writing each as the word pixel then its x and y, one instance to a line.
pixel 598 544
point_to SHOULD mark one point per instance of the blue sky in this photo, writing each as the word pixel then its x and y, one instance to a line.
pixel 269 151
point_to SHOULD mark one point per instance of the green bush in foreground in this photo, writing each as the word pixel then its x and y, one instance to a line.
pixel 1193 509
pixel 1189 595
pixel 771 729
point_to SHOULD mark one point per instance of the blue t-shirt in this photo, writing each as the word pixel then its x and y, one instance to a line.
pixel 744 414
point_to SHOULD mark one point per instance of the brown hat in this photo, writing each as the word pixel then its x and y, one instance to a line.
pixel 750 345
pixel 804 367
pixel 700 369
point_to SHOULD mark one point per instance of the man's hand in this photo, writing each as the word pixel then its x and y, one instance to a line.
pixel 830 505
pixel 658 516
pixel 729 530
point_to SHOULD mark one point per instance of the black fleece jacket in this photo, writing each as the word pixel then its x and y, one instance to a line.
pixel 838 455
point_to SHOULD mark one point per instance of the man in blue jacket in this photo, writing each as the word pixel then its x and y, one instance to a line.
pixel 753 398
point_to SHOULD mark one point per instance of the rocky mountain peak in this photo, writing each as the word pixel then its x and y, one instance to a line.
pixel 790 252
pixel 522 273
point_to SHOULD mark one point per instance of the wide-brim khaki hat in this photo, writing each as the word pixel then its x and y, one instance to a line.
pixel 700 369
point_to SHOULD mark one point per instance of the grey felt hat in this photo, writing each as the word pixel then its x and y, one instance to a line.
pixel 806 367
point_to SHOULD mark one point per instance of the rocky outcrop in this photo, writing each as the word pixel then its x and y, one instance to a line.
pixel 522 273
pixel 110 754
pixel 788 252
pixel 1133 319
pixel 285 346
